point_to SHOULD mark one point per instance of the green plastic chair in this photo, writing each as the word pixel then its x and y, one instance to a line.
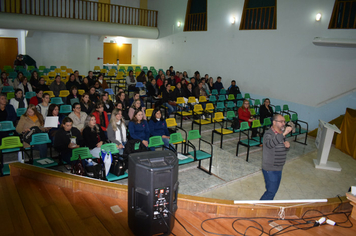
pixel 29 68
pixel 239 104
pixel 10 95
pixel 249 142
pixel 57 100
pixel 155 142
pixel 257 102
pixel 231 97
pixel 176 139
pixel 267 122
pixel 29 95
pixel 8 145
pixel 41 68
pixel 222 98
pixel 298 128
pixel 52 68
pixel 65 109
pixel 277 109
pixel 212 99
pixel 230 106
pixel 83 152
pixel 239 96
pixel 220 107
pixel 198 154
pixel 222 91
pixel 247 96
pixel 7 126
pixel 214 92
pixel 37 139
pixel 20 111
pixel 7 89
pixel 110 147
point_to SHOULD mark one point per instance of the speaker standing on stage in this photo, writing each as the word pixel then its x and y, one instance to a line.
pixel 274 155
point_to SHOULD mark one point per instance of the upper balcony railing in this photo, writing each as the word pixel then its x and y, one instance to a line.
pixel 82 10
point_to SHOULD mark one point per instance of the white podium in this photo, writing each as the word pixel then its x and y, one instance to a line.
pixel 323 143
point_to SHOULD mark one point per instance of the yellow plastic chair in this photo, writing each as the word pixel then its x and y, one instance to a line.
pixel 51 94
pixel 219 118
pixel 97 68
pixel 64 93
pixel 202 99
pixel 63 68
pixel 81 91
pixel 63 75
pixel 57 70
pixel 172 88
pixel 69 70
pixel 51 74
pixel 103 71
pixel 148 113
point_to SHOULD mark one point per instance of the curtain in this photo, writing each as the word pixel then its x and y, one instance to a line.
pixel 346 141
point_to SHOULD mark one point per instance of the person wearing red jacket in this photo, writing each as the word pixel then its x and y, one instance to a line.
pixel 38 98
pixel 101 116
pixel 245 115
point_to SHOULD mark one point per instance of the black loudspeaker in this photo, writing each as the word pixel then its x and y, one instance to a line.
pixel 152 192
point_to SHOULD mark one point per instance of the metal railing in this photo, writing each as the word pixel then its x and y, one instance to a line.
pixel 259 18
pixel 344 15
pixel 196 22
pixel 82 10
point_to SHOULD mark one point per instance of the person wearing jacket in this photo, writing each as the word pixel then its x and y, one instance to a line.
pixel 18 101
pixel 138 128
pixel 78 117
pixel 117 131
pixel 101 116
pixel 158 127
pixel 57 85
pixel 93 136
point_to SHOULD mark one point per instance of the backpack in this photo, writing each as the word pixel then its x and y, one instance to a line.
pixel 235 123
pixel 77 167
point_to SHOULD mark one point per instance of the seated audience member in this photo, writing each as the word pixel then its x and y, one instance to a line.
pixel 19 101
pixel 117 130
pixel 153 94
pixel 78 117
pixel 108 104
pixel 98 89
pixel 149 76
pixel 62 139
pixel 197 77
pixel 17 80
pixel 30 119
pixel 178 91
pixel 135 97
pixel 73 93
pixel 85 104
pixel 91 78
pixel 159 75
pixel 19 61
pixel 218 85
pixel 38 98
pixel 172 71
pixel 168 74
pixel 200 91
pixel 121 97
pixel 189 91
pixel 4 81
pixel 85 85
pixel 102 82
pixel 138 128
pixel 172 81
pixel 53 111
pixel 233 89
pixel 57 85
pixel 125 113
pixel 158 127
pixel 142 78
pixel 43 106
pixel 168 100
pixel 193 82
pixel 185 75
pixel 25 86
pixel 130 79
pixel 160 80
pixel 245 115
pixel 101 116
pixel 42 85
pixel 34 80
pixel 205 86
pixel 7 113
pixel 136 105
pixel 93 95
pixel 93 136
pixel 163 87
pixel 178 77
pixel 211 84
pixel 72 82
pixel 184 84
pixel 77 77
pixel 266 111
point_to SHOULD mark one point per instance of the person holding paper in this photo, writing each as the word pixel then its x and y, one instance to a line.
pixel 93 136
pixel 53 111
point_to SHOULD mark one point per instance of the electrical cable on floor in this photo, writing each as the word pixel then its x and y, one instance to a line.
pixel 180 223
pixel 169 230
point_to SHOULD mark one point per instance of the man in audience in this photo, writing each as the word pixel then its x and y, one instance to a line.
pixel 218 85
pixel 233 89
pixel 91 78
pixel 172 71
pixel 57 85
pixel 193 82
pixel 38 98
pixel 19 61
pixel 199 91
pixel 78 78
pixel 197 76
pixel 7 112
pixel 274 154
pixel 43 107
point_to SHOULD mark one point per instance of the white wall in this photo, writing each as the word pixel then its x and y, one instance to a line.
pixel 19 34
pixel 282 64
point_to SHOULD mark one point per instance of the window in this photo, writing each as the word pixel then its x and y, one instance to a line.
pixel 196 16
pixel 343 16
pixel 259 15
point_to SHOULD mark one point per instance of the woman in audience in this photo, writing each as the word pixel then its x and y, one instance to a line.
pixel 160 80
pixel 53 111
pixel 101 116
pixel 168 100
pixel 19 101
pixel 117 130
pixel 25 86
pixel 72 82
pixel 57 85
pixel 34 80
pixel 108 104
pixel 125 114
pixel 184 84
pixel 138 128
pixel 245 115
pixel 93 136
pixel 266 111
pixel 168 74
pixel 98 89
pixel 85 85
pixel 18 79
pixel 85 104
pixel 102 82
pixel 62 139
pixel 150 75
pixel 135 97
pixel 185 75
pixel 93 96
pixel 189 91
pixel 73 93
pixel 158 127
pixel 78 117
pixel 38 98
pixel 142 78
pixel 130 79
pixel 5 81
pixel 136 105
pixel 121 97
pixel 42 85
pixel 28 120
pixel 163 87
pixel 178 91
pixel 153 92
pixel 211 84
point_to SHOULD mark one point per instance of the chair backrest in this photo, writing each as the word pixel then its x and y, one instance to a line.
pixel 84 153
pixel 57 100
pixel 74 100
pixel 247 96
pixel 230 104
pixel 53 67
pixel 40 138
pixel 63 74
pixel 63 68
pixel 70 70
pixel 191 100
pixel 10 95
pixel 96 67
pixel 209 107
pixel 202 99
pixel 64 93
pixel 278 108
pixel 285 107
pixel 239 103
pixel 171 122
pixel 29 95
pixel 7 126
pixel 252 111
pixel 267 121
pixel 51 94
pixel 109 90
pixel 287 118
pixel 244 126
pixel 65 109
pixel 212 98
pixel 219 116
pixel 110 147
pixel 148 113
pixel 231 97
pixel 256 124
pixel 222 98
pixel 230 115
pixel 155 141
pixel 7 89
pixel 198 108
pixel 175 138
pixel 11 142
pixel 257 102
pixel 173 87
pixel 222 91
pixel 103 71
pixel 57 70
pixel 193 134
pixel 220 105
pixel 52 74
pixel 20 111
pixel 294 117
pixel 81 91
pixel 180 100
pixel 214 92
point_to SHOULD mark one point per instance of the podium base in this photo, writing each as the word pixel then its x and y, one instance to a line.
pixel 330 165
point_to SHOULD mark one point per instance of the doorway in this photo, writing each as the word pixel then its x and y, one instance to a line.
pixel 8 52
pixel 112 52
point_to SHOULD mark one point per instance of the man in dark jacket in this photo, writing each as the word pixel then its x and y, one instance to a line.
pixel 218 85
pixel 233 89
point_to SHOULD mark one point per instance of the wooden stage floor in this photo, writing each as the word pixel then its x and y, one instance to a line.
pixel 34 206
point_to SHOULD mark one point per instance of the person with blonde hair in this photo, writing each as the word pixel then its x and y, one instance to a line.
pixel 93 135
pixel 136 105
pixel 32 118
pixel 117 131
